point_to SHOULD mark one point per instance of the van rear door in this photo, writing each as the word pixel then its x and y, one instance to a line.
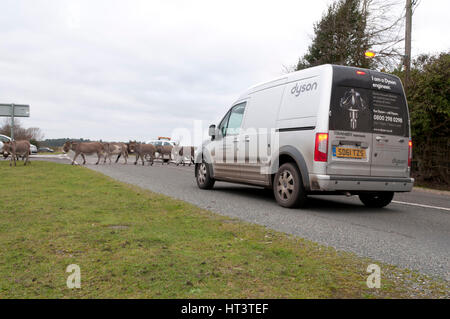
pixel 350 123
pixel 390 126
pixel 368 124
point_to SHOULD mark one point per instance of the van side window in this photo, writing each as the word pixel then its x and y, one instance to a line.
pixel 223 124
pixel 235 119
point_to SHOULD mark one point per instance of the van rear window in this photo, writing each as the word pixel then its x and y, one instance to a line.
pixel 368 110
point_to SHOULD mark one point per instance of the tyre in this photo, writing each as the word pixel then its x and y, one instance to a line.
pixel 376 200
pixel 203 176
pixel 288 186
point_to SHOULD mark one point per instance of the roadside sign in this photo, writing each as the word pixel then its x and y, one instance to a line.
pixel 14 110
pixel 20 110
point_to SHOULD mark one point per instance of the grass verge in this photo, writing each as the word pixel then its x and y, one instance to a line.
pixel 131 243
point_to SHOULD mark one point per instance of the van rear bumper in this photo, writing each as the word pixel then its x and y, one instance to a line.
pixel 360 183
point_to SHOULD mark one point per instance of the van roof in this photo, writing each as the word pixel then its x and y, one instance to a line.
pixel 293 76
pixel 284 78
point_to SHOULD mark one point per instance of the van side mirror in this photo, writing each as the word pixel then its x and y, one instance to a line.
pixel 212 131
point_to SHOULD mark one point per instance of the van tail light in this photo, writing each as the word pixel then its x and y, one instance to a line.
pixel 409 153
pixel 321 147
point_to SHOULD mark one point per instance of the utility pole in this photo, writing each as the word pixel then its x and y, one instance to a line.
pixel 408 28
pixel 12 121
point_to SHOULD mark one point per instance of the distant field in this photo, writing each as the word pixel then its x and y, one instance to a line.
pixel 131 243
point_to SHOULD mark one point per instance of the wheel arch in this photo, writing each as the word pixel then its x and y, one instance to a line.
pixel 203 155
pixel 291 154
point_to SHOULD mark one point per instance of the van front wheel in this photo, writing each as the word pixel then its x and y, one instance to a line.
pixel 288 186
pixel 203 176
pixel 376 200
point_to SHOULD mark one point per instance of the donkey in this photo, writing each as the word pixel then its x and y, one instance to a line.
pixel 180 153
pixel 143 150
pixel 17 149
pixel 84 148
pixel 164 150
pixel 130 146
pixel 121 149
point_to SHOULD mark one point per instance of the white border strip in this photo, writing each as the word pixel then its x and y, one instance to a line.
pixel 422 205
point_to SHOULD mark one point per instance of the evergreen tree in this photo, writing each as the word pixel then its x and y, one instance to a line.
pixel 339 37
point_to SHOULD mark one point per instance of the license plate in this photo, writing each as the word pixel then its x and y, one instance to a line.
pixel 349 152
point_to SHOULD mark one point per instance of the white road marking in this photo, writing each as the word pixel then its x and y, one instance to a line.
pixel 421 205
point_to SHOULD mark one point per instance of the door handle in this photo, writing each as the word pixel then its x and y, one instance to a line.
pixel 235 140
pixel 401 140
pixel 379 139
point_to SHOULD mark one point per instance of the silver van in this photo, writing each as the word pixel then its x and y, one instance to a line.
pixel 324 130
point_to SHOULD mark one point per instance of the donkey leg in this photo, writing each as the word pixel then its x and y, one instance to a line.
pixel 99 155
pixel 84 158
pixel 118 156
pixel 137 158
pixel 150 161
pixel 74 158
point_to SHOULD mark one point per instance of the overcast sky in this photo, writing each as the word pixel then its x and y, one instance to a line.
pixel 119 70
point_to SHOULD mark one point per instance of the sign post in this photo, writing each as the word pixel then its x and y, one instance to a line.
pixel 14 110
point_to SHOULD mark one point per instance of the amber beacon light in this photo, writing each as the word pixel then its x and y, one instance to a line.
pixel 369 54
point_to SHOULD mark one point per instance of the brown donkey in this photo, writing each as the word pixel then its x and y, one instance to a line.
pixel 84 148
pixel 17 149
pixel 141 150
pixel 119 149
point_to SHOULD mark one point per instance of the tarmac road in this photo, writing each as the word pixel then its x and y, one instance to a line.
pixel 412 232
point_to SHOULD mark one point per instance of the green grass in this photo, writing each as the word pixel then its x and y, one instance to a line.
pixel 131 243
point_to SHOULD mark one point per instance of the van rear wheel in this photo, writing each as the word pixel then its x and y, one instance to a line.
pixel 376 200
pixel 288 186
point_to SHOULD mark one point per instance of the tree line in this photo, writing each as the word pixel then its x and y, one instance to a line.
pixel 34 135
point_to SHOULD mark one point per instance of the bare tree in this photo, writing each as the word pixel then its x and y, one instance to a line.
pixel 21 133
pixel 350 27
pixel 384 28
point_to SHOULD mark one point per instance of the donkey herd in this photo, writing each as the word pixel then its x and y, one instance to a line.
pixel 145 152
pixel 105 150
